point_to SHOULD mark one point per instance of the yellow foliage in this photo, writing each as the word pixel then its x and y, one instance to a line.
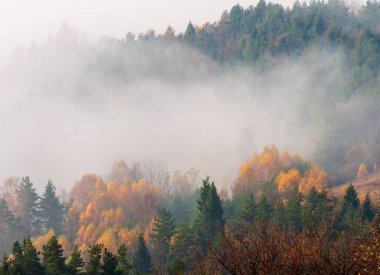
pixel 109 240
pixel 286 181
pixel 66 246
pixel 362 171
pixel 129 237
pixel 314 177
pixel 42 240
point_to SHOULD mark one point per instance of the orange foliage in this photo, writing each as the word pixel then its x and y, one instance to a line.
pixel 42 240
pixel 362 171
pixel 314 177
pixel 286 181
pixel 82 189
pixel 109 240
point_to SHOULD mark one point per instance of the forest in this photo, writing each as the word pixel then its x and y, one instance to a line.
pixel 282 213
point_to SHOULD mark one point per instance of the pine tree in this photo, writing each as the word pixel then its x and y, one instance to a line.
pixel 264 210
pixel 5 268
pixel 52 211
pixel 110 262
pixel 10 228
pixel 123 267
pixel 367 210
pixel 248 213
pixel 53 259
pixel 349 216
pixel 190 34
pixel 163 230
pixel 18 259
pixel 315 210
pixel 75 263
pixel 31 262
pixel 94 265
pixel 141 260
pixel 293 210
pixel 209 221
pixel 28 207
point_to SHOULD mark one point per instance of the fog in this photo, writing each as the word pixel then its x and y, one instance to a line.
pixel 75 104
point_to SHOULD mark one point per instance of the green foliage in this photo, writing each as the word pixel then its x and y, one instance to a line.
pixel 293 210
pixel 264 210
pixel 315 211
pixel 368 212
pixel 349 216
pixel 94 265
pixel 123 267
pixel 30 259
pixel 142 263
pixel 53 259
pixel 28 207
pixel 10 227
pixel 110 263
pixel 75 263
pixel 248 213
pixel 51 209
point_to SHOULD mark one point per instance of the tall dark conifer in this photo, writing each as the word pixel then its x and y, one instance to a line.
pixel 142 262
pixel 368 212
pixel 53 259
pixel 52 211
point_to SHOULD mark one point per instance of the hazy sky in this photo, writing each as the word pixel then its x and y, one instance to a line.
pixel 24 21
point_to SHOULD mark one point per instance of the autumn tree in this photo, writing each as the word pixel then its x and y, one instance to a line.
pixel 52 211
pixel 362 171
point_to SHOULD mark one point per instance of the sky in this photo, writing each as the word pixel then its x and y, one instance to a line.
pixel 24 21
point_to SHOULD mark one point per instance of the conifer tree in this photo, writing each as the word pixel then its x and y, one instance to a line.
pixel 209 221
pixel 123 267
pixel 368 212
pixel 248 213
pixel 28 206
pixel 53 260
pixel 293 210
pixel 315 210
pixel 349 216
pixel 94 265
pixel 110 262
pixel 75 263
pixel 163 230
pixel 51 209
pixel 190 34
pixel 31 264
pixel 5 267
pixel 18 258
pixel 10 227
pixel 264 210
pixel 142 263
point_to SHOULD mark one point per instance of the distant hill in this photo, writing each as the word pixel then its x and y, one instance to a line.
pixel 370 184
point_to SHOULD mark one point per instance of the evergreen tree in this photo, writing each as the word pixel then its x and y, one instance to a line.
pixel 163 230
pixel 367 210
pixel 53 260
pixel 28 207
pixel 315 210
pixel 264 210
pixel 75 263
pixel 141 260
pixel 30 261
pixel 94 266
pixel 123 267
pixel 293 210
pixel 190 34
pixel 209 221
pixel 18 259
pixel 248 213
pixel 110 262
pixel 5 268
pixel 10 229
pixel 52 211
pixel 349 216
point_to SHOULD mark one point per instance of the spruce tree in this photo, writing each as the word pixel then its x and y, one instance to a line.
pixel 367 210
pixel 28 207
pixel 163 230
pixel 10 228
pixel 123 267
pixel 52 211
pixel 349 216
pixel 75 263
pixel 248 213
pixel 293 210
pixel 18 258
pixel 5 267
pixel 190 34
pixel 53 260
pixel 110 262
pixel 264 210
pixel 209 221
pixel 31 262
pixel 315 210
pixel 141 261
pixel 94 265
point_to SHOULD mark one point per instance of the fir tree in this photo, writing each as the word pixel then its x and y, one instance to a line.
pixel 209 221
pixel 190 34
pixel 349 216
pixel 18 259
pixel 28 206
pixel 31 262
pixel 51 209
pixel 163 230
pixel 75 263
pixel 367 210
pixel 264 210
pixel 110 262
pixel 53 259
pixel 248 213
pixel 94 265
pixel 141 260
pixel 293 210
pixel 123 267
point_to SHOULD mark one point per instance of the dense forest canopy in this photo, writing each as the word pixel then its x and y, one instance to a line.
pixel 305 78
